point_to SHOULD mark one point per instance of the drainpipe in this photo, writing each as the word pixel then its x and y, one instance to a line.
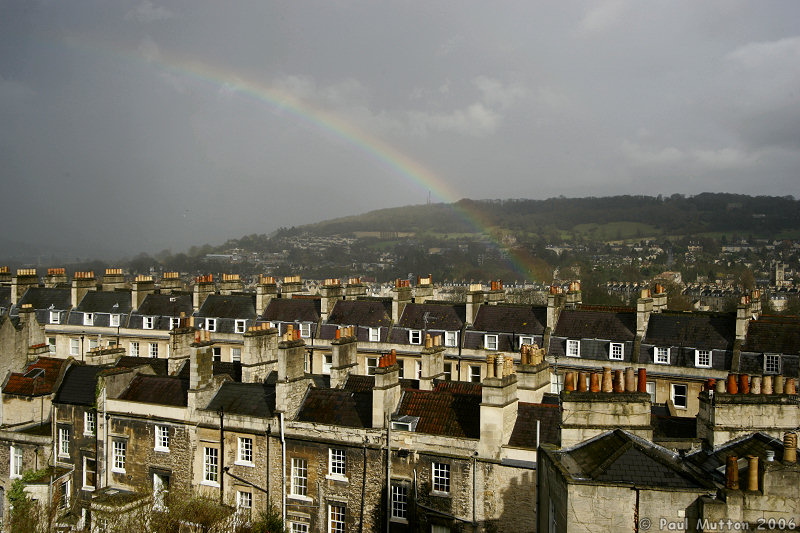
pixel 221 413
pixel 269 434
pixel 474 488
pixel 363 487
pixel 388 472
pixel 105 438
pixel 283 470
pixel 636 511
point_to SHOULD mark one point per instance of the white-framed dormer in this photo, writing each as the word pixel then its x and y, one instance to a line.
pixel 374 334
pixel 174 322
pixel 113 320
pixel 702 358
pixel 211 324
pixel 88 319
pixel 415 336
pixel 661 355
pixel 305 330
pixel 240 326
pixel 148 322
pixel 55 317
pixel 524 339
pixel 616 351
pixel 772 363
pixel 490 341
pixel 573 348
pixel 451 339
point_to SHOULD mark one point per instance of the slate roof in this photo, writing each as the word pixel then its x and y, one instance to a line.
pixel 103 302
pixel 757 444
pixel 38 379
pixel 524 433
pixel 520 319
pixel 237 306
pixel 610 324
pixel 161 305
pixel 292 310
pixel 79 385
pixel 159 390
pixel 5 297
pixel 248 399
pixel 337 407
pixel 619 457
pixel 445 317
pixel 705 331
pixel 219 368
pixel 673 427
pixel 44 297
pixel 773 335
pixel 358 383
pixel 367 313
pixel 452 409
pixel 159 366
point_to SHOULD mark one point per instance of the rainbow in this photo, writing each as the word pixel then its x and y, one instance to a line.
pixel 373 147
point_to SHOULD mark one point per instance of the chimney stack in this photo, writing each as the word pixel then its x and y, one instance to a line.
pixel 354 289
pixel 266 290
pixel 742 318
pixel 171 282
pixel 644 306
pixel 142 286
pixel 400 298
pixel 432 359
pixel 82 282
pixel 330 292
pixel 291 285
pixel 113 279
pixel 659 299
pixel 475 298
pixel 574 295
pixel 260 353
pixel 424 289
pixel 229 284
pixel 292 384
pixel 201 369
pixel 498 408
pixel 496 293
pixel 180 341
pixel 732 472
pixel 386 393
pixel 203 286
pixel 26 277
pixel 5 275
pixel 55 277
pixel 343 357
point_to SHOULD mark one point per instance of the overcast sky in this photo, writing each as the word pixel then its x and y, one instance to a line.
pixel 146 125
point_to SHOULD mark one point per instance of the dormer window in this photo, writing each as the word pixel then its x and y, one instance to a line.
pixel 174 322
pixel 374 334
pixel 451 338
pixel 149 322
pixel 490 342
pixel 211 324
pixel 415 336
pixel 113 321
pixel 305 330
pixel 525 339
pixel 702 358
pixel 772 363
pixel 88 319
pixel 55 317
pixel 573 348
pixel 240 326
pixel 616 351
pixel 662 356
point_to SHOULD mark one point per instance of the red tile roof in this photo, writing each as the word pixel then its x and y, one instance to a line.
pixel 451 409
pixel 33 382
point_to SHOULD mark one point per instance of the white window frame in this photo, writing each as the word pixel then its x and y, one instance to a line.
pixel 298 527
pixel 698 354
pixel 524 339
pixel 74 346
pixel 51 346
pixel 661 355
pixel 651 390
pixel 63 442
pixel 327 363
pixel 685 395
pixel 399 505
pixel 475 373
pixel 240 326
pixel 775 367
pixel 448 371
pixel 440 478
pixel 299 478
pixel 415 336
pixel 152 350
pixel 490 341
pixel 148 322
pixel 86 486
pixel 134 349
pixel 573 348
pixel 89 423
pixel 119 449
pixel 88 319
pixel 450 339
pixel 374 334
pixel 55 317
pixel 216 354
pixel 244 451
pixel 337 463
pixel 305 330
pixel 616 351
pixel 113 320
pixel 174 322
pixel 210 466
pixel 211 324
pixel 16 457
pixel 337 518
pixel 417 369
pixel 244 500
pixel 65 488
pixel 162 438
pixel 93 343
pixel 372 365
pixel 236 355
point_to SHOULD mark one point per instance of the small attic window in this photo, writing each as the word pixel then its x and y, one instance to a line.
pixel 405 423
pixel 34 373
